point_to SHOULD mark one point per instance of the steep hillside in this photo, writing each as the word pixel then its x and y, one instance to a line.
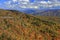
pixel 15 25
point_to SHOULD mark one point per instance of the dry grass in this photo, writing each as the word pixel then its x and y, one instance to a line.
pixel 18 26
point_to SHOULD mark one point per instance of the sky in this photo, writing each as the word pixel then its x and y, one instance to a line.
pixel 29 4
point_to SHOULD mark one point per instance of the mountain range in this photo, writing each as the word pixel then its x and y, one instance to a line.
pixel 52 12
pixel 45 12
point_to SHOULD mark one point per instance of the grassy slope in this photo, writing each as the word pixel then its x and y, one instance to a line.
pixel 19 26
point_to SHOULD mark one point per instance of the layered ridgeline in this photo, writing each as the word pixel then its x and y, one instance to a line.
pixel 15 25
pixel 47 12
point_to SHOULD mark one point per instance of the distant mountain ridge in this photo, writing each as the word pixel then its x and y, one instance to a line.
pixel 47 12
pixel 51 12
pixel 44 12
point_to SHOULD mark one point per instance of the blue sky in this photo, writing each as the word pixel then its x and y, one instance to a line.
pixel 32 4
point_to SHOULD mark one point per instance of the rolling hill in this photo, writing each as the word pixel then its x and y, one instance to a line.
pixel 16 25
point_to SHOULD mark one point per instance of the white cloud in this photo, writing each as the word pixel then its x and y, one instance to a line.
pixel 23 2
pixel 14 0
pixel 8 2
pixel 44 2
pixel 26 0
pixel 20 0
pixel 27 4
pixel 22 6
pixel 36 7
pixel 49 2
